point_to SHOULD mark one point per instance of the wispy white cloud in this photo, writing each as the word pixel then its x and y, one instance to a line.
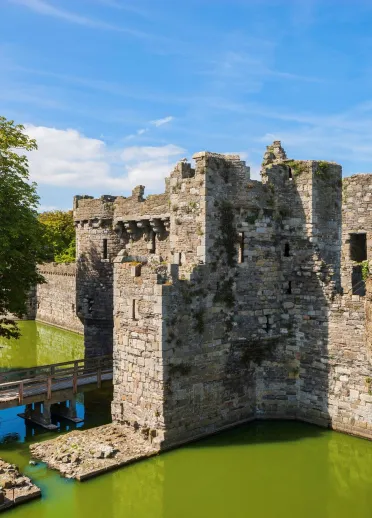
pixel 157 123
pixel 44 8
pixel 246 65
pixel 161 122
pixel 66 157
pixel 134 153
pixel 123 6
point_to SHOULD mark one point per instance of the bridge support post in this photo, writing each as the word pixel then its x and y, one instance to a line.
pixel 67 411
pixel 39 413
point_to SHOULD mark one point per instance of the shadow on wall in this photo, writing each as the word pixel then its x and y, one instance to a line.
pixel 94 302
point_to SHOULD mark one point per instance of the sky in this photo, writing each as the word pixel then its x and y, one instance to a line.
pixel 117 91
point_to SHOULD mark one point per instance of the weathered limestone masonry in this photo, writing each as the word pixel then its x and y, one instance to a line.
pixel 350 316
pixel 55 301
pixel 225 297
pixel 97 245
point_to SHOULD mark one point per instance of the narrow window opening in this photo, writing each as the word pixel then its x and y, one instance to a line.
pixel 241 247
pixel 289 289
pixel 153 242
pixel 286 250
pixel 290 175
pixel 268 326
pixel 358 247
pixel 134 309
pixel 105 248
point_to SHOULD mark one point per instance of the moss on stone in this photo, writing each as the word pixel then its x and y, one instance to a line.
pixel 297 167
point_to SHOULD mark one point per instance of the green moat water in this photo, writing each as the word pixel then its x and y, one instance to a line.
pixel 264 469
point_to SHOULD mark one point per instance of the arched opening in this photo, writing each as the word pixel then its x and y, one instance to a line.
pixel 286 250
pixel 290 176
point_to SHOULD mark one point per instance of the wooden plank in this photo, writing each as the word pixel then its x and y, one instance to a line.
pixel 42 368
pixel 39 391
pixel 75 379
pixel 49 388
pixel 20 393
pixel 55 377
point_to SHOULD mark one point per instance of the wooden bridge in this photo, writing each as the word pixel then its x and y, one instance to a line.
pixel 51 389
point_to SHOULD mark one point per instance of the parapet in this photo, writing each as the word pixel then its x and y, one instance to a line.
pixel 87 208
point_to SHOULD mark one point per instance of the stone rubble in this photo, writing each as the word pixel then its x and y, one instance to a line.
pixel 84 454
pixel 15 488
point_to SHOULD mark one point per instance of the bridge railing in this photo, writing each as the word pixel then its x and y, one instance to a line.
pixel 46 378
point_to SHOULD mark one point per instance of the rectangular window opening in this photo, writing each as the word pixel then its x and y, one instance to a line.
pixel 289 289
pixel 241 247
pixel 105 248
pixel 358 247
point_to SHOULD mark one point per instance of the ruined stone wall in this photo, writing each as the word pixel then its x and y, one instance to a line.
pixel 356 219
pixel 226 297
pixel 241 308
pixel 350 366
pixel 97 245
pixel 136 227
pixel 245 337
pixel 138 378
pixel 55 301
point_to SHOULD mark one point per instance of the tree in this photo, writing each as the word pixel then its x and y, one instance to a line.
pixel 22 245
pixel 59 232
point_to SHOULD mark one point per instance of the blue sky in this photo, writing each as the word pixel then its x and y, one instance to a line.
pixel 116 91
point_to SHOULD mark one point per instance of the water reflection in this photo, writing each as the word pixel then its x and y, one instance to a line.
pixel 40 344
pixel 322 475
pixel 264 469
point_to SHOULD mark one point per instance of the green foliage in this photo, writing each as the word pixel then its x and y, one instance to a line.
pixel 297 167
pixel 59 232
pixel 365 269
pixel 323 170
pixel 199 230
pixel 252 216
pixel 22 244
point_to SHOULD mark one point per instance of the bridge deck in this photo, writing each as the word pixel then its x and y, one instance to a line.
pixel 48 382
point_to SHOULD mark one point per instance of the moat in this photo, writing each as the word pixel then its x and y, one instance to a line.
pixel 268 469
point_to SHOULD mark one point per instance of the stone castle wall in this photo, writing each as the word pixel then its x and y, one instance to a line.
pixel 227 299
pixel 357 222
pixel 55 301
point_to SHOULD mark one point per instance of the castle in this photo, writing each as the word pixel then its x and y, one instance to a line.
pixel 226 299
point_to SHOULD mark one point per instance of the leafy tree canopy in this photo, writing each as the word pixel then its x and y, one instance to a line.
pixel 59 232
pixel 22 245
